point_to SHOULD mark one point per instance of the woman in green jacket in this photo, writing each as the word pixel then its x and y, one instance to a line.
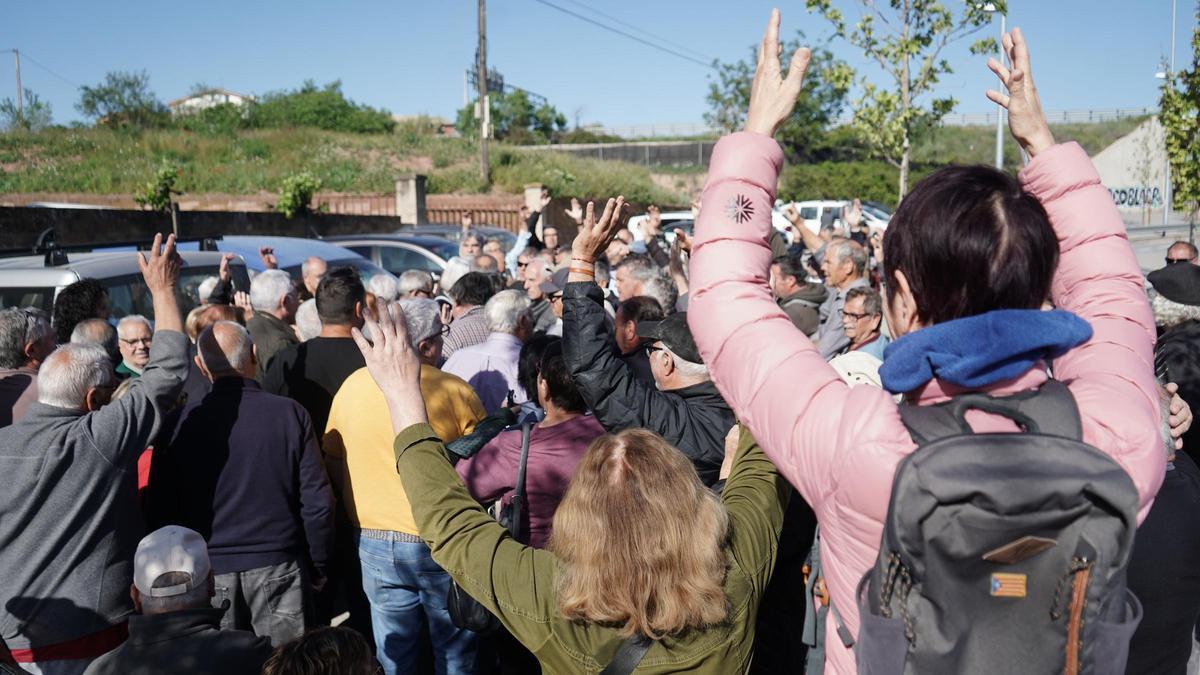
pixel 639 546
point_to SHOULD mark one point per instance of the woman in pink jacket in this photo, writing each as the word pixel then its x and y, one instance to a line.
pixel 965 243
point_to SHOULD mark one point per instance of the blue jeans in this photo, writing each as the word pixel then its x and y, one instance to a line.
pixel 405 586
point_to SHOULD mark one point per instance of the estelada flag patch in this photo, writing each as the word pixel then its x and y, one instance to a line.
pixel 1008 585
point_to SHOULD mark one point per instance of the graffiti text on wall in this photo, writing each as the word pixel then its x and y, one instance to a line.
pixel 1137 197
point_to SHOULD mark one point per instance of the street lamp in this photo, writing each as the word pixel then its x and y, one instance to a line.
pixel 991 8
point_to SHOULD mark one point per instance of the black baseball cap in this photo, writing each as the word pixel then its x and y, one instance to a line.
pixel 556 283
pixel 673 332
pixel 1179 282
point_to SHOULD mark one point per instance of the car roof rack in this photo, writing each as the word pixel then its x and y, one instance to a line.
pixel 56 255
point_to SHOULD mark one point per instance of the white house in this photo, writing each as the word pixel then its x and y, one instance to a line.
pixel 207 98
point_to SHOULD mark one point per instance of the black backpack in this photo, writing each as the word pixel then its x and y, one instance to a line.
pixel 1002 552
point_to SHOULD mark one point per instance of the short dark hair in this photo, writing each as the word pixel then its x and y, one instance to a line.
pixel 473 288
pixel 872 302
pixel 560 388
pixel 642 308
pixel 337 294
pixel 74 304
pixel 322 651
pixel 529 362
pixel 792 266
pixel 970 240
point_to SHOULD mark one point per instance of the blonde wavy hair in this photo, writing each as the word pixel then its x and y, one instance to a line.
pixel 642 543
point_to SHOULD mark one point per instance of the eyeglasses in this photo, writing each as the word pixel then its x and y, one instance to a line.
pixel 146 341
pixel 855 315
pixel 522 265
pixel 1172 261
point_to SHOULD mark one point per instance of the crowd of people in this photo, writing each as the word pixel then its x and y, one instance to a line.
pixel 652 451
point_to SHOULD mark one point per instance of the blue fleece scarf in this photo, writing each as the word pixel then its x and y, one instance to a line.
pixel 980 350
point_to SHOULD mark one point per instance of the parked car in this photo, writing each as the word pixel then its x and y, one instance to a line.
pixel 291 252
pixel 26 281
pixel 454 233
pixel 398 253
pixel 669 220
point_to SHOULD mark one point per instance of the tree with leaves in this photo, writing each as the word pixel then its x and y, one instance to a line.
pixel 906 39
pixel 515 118
pixel 824 95
pixel 156 193
pixel 33 115
pixel 1179 112
pixel 123 99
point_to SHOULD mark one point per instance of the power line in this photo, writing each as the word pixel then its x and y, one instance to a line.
pixel 641 30
pixel 622 33
pixel 25 55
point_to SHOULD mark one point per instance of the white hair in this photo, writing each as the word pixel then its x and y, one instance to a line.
pixel 205 289
pixel 268 290
pixel 456 268
pixel 308 322
pixel 131 319
pixel 663 290
pixel 384 287
pixel 423 318
pixel 67 374
pixel 18 328
pixel 306 266
pixel 505 309
pixel 688 369
pixel 415 280
pixel 213 355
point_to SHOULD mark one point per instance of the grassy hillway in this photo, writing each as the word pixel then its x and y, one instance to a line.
pixel 103 161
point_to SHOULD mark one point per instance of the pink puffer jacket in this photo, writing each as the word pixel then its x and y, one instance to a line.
pixel 840 446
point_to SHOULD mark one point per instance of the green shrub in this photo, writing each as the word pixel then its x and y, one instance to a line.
pixel 156 193
pixel 323 108
pixel 297 193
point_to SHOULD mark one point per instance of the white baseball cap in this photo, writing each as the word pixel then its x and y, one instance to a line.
pixel 170 549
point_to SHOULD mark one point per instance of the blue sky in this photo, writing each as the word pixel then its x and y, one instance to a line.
pixel 408 56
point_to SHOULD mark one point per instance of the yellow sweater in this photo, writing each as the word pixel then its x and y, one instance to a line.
pixel 359 439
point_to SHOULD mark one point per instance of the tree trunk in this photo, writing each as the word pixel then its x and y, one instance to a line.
pixel 904 172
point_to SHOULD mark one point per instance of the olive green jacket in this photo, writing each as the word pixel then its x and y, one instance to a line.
pixel 518 583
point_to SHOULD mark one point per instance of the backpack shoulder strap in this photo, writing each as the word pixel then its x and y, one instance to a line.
pixel 628 656
pixel 517 503
pixel 1049 409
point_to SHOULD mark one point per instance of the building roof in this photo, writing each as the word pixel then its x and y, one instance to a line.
pixel 207 92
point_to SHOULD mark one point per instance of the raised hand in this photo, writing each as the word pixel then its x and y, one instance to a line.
pixel 267 254
pixel 223 271
pixel 575 213
pixel 1026 120
pixel 772 96
pixel 393 364
pixel 545 199
pixel 241 299
pixel 594 235
pixel 467 221
pixel 161 271
pixel 852 215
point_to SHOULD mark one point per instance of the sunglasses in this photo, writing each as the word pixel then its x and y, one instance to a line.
pixel 650 349
pixel 1172 261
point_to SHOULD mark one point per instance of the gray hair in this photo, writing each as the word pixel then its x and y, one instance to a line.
pixel 268 290
pixel 68 374
pixel 415 280
pixel 196 598
pixel 96 332
pixel 603 272
pixel 18 328
pixel 663 290
pixel 133 318
pixel 385 287
pixel 1168 313
pixel 505 309
pixel 472 235
pixel 306 266
pixel 640 267
pixel 842 249
pixel 423 319
pixel 235 357
pixel 688 369
pixel 205 289
pixel 456 268
pixel 308 322
pixel 872 301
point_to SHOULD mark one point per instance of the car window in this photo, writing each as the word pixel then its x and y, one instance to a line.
pixel 808 213
pixel 399 260
pixel 129 295
pixel 364 251
pixel 42 298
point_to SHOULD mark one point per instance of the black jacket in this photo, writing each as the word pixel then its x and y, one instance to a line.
pixel 270 336
pixel 694 419
pixel 185 642
pixel 1177 359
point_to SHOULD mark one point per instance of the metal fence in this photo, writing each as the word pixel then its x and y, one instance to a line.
pixel 648 153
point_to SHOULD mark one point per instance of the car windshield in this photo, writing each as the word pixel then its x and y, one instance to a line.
pixel 129 295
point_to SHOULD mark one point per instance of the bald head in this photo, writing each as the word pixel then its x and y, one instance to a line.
pixel 311 270
pixel 225 350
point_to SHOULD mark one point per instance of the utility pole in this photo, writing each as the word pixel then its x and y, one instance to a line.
pixel 1000 109
pixel 20 101
pixel 485 117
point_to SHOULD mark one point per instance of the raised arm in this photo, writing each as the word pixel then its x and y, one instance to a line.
pixel 1098 278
